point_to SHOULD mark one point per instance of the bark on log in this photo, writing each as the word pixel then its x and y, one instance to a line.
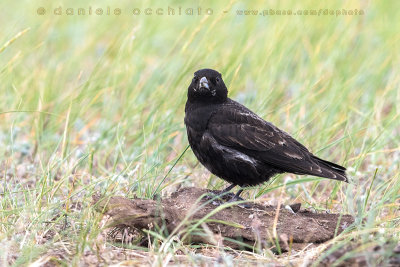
pixel 187 209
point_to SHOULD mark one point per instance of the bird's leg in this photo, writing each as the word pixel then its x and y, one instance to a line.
pixel 229 188
pixel 230 197
pixel 225 192
pixel 237 197
pixel 233 197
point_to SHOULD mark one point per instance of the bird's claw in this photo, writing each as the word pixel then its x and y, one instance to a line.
pixel 219 199
pixel 242 205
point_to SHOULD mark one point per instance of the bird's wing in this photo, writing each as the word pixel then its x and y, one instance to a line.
pixel 237 127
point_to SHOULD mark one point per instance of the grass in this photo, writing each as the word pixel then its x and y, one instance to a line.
pixel 95 104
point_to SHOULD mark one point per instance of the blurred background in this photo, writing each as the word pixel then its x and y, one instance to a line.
pixel 94 102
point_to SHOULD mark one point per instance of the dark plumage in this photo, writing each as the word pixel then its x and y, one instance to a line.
pixel 238 146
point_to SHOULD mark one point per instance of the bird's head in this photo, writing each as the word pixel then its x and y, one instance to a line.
pixel 207 86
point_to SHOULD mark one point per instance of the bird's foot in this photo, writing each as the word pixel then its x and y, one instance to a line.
pixel 219 198
pixel 226 197
pixel 243 205
pixel 229 197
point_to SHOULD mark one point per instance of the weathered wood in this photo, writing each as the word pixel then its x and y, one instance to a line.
pixel 250 224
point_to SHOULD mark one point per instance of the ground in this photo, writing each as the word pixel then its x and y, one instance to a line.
pixel 94 104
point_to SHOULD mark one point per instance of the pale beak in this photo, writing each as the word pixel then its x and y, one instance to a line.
pixel 204 83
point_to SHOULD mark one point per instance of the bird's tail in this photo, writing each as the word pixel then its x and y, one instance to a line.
pixel 331 170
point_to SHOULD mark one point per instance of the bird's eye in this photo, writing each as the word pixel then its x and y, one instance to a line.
pixel 195 79
pixel 217 80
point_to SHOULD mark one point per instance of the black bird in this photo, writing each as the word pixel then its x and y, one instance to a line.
pixel 235 144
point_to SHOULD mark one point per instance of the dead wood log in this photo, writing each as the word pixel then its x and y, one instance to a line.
pixel 191 208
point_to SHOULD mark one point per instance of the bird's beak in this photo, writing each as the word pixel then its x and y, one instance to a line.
pixel 204 83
